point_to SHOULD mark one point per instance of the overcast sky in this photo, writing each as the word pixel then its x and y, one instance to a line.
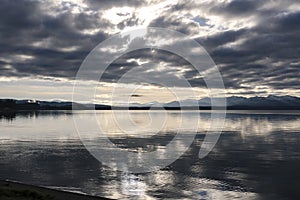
pixel 255 44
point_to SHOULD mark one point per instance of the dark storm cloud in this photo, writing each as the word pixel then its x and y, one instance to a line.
pixel 18 15
pixel 238 7
pixel 107 4
pixel 273 43
pixel 221 38
pixel 128 62
pixel 261 54
pixel 286 22
pixel 248 93
pixel 275 39
pixel 23 24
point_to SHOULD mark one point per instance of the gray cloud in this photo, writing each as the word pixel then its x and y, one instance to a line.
pixel 265 53
pixel 107 4
pixel 169 21
pixel 238 7
pixel 26 30
pixel 274 44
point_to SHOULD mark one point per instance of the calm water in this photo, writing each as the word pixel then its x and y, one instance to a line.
pixel 256 157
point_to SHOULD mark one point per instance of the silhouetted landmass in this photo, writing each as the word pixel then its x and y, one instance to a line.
pixel 17 105
pixel 233 103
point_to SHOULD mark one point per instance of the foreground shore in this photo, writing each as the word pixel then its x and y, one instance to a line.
pixel 18 191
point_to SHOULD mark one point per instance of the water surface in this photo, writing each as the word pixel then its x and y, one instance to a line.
pixel 256 157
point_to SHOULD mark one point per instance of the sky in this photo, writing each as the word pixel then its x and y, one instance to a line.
pixel 254 43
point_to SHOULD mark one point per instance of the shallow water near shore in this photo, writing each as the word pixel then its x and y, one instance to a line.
pixel 256 157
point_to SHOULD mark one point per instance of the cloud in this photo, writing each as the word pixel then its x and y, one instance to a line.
pixel 253 42
pixel 107 4
pixel 238 7
pixel 56 43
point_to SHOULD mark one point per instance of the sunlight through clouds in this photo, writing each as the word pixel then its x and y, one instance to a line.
pixel 254 43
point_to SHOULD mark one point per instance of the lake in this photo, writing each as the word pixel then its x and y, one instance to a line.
pixel 256 157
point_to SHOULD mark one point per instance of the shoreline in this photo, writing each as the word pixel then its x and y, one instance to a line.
pixel 15 190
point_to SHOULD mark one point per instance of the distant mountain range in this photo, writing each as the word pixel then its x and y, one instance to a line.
pixel 236 102
pixel 233 103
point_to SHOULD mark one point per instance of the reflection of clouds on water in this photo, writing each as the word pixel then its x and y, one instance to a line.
pixel 58 125
pixel 262 124
pixel 257 156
